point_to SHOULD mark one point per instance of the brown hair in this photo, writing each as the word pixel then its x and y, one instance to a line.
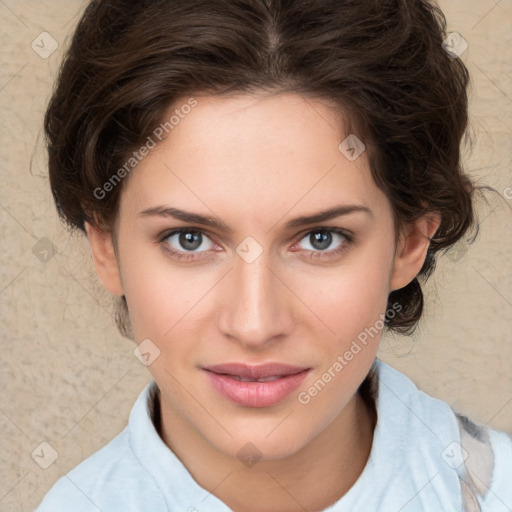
pixel 381 61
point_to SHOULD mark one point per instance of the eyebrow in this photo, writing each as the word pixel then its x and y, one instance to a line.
pixel 195 218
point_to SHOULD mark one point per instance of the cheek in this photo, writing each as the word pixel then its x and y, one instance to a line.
pixel 164 304
pixel 158 294
pixel 351 297
pixel 352 304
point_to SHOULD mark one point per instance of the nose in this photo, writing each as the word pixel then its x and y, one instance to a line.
pixel 257 307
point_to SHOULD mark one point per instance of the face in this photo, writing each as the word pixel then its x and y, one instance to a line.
pixel 261 285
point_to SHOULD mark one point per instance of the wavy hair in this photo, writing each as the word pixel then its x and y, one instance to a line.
pixel 382 62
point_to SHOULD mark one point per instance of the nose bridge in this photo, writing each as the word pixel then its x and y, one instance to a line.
pixel 255 309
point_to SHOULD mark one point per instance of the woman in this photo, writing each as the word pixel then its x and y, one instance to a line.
pixel 263 184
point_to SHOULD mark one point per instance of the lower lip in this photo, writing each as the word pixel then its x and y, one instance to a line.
pixel 256 394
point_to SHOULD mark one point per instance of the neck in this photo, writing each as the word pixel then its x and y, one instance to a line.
pixel 313 478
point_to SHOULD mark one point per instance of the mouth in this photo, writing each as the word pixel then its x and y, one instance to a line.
pixel 248 379
pixel 256 385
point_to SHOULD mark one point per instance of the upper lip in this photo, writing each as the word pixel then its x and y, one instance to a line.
pixel 256 371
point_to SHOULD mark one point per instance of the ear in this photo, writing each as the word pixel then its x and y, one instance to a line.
pixel 104 259
pixel 412 250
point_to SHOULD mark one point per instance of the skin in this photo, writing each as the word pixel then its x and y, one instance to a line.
pixel 255 162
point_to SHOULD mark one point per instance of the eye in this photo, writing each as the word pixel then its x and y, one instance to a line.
pixel 185 243
pixel 321 239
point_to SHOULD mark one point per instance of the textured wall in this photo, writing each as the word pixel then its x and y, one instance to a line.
pixel 69 379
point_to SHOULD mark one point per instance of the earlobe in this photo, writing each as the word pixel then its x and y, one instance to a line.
pixel 412 250
pixel 104 259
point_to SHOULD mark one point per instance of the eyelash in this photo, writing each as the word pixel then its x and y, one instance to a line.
pixel 189 256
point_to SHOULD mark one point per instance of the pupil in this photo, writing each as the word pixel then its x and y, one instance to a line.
pixel 321 240
pixel 190 240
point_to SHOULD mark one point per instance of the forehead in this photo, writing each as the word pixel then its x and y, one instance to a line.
pixel 254 154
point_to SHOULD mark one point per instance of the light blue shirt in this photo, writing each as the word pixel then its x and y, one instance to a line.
pixel 411 468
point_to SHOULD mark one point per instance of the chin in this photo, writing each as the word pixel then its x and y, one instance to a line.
pixel 257 445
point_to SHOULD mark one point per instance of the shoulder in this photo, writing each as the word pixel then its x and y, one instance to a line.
pixel 109 480
pixel 486 471
pixel 473 460
pixel 402 402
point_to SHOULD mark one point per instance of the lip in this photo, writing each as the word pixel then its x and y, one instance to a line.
pixel 256 371
pixel 225 378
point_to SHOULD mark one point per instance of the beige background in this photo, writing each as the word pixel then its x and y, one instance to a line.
pixel 70 379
